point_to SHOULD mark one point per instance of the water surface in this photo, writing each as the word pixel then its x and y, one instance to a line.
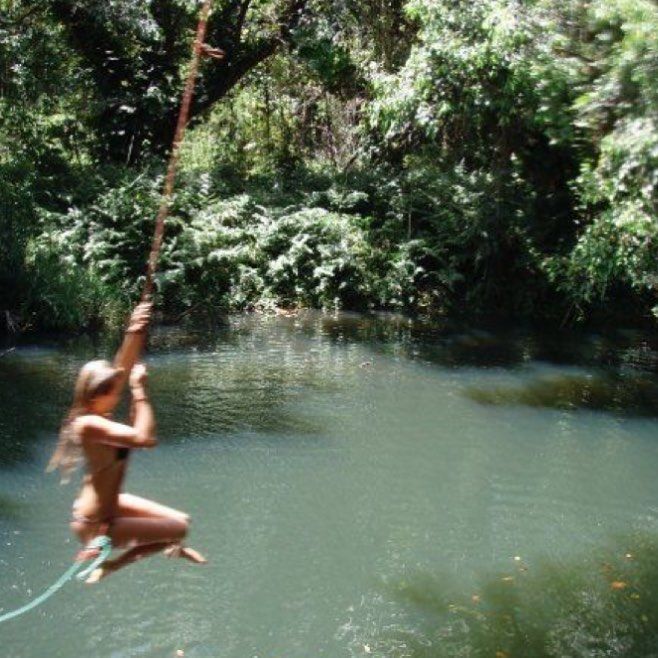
pixel 362 486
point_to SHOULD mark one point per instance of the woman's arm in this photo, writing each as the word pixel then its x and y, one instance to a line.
pixel 103 430
pixel 133 341
pixel 142 432
pixel 143 419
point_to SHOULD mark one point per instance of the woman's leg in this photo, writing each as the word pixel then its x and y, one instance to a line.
pixel 133 506
pixel 136 506
pixel 127 531
pixel 151 535
pixel 126 558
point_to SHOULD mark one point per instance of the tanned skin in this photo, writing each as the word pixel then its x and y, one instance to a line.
pixel 142 525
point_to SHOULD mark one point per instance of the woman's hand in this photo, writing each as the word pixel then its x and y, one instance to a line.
pixel 138 377
pixel 140 318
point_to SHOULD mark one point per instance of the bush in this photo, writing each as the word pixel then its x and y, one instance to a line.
pixel 220 254
pixel 63 293
pixel 317 256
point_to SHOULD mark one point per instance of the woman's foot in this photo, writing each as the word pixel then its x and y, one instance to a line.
pixel 185 552
pixel 98 574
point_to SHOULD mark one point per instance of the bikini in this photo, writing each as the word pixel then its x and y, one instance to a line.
pixel 121 456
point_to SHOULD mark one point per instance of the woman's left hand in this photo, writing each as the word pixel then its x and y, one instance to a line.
pixel 138 376
pixel 140 318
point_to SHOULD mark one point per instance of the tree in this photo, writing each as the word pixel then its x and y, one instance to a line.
pixel 135 54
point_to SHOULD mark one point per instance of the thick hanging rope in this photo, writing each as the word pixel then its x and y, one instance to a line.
pixel 199 48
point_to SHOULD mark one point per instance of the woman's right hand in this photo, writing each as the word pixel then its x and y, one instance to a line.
pixel 138 376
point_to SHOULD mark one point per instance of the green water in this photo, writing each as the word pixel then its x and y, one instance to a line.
pixel 361 487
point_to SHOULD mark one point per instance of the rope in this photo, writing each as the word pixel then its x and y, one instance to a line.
pixel 101 547
pixel 198 49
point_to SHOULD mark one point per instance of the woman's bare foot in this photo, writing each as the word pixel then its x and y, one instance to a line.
pixel 185 552
pixel 101 572
pixel 193 556
pixel 98 574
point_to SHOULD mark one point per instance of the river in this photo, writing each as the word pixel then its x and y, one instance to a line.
pixel 362 485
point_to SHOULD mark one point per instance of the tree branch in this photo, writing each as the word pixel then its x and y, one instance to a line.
pixel 173 21
pixel 125 68
pixel 244 57
pixel 244 8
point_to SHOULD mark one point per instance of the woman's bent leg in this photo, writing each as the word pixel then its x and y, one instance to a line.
pixel 126 531
pixel 126 558
pixel 147 536
pixel 135 506
pixel 132 506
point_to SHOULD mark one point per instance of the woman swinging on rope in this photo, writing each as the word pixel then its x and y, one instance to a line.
pixel 141 525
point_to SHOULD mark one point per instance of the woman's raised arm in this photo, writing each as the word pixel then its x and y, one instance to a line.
pixel 103 430
pixel 133 341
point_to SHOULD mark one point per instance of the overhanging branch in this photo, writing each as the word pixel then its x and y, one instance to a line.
pixel 244 57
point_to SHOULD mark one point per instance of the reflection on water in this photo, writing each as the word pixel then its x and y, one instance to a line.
pixel 631 395
pixel 446 343
pixel 36 386
pixel 10 508
pixel 226 395
pixel 602 604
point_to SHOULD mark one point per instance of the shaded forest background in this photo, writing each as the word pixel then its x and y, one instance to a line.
pixel 490 158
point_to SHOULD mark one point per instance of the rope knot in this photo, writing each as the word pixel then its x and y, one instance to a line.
pixel 93 549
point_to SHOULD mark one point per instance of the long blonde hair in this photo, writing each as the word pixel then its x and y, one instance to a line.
pixel 96 378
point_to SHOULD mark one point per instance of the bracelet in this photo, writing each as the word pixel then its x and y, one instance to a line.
pixel 143 398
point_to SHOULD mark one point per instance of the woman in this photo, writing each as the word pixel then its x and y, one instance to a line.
pixel 145 527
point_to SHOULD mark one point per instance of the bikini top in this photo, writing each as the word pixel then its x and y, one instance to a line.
pixel 121 456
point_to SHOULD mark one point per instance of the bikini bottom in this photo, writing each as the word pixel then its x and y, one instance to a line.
pixel 77 517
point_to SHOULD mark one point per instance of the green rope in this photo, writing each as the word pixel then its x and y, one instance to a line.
pixel 102 543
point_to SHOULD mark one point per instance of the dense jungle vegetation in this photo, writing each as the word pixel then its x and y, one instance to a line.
pixel 486 158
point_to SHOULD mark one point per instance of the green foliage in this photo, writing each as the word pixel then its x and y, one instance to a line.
pixel 505 90
pixel 615 110
pixel 222 253
pixel 214 254
pixel 619 249
pixel 330 62
pixel 491 157
pixel 63 294
pixel 317 256
pixel 466 83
